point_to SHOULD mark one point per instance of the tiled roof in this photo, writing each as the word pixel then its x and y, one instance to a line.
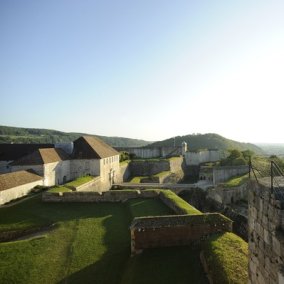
pixel 14 179
pixel 12 152
pixel 42 156
pixel 90 147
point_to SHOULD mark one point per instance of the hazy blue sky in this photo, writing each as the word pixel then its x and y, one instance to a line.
pixel 149 69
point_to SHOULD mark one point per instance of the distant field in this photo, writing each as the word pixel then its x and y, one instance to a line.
pixel 90 245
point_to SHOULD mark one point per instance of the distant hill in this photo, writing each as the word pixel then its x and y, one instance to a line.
pixel 208 141
pixel 272 148
pixel 33 135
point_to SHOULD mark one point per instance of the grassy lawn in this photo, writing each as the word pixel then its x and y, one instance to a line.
pixel 147 207
pixel 79 181
pixel 136 179
pixel 91 244
pixel 178 265
pixel 227 258
pixel 180 202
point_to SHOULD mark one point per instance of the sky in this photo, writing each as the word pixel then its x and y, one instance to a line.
pixel 146 69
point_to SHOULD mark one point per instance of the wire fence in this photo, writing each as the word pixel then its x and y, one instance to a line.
pixel 268 172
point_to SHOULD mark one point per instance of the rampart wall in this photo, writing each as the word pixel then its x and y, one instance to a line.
pixel 152 152
pixel 107 196
pixel 266 237
pixel 221 174
pixel 164 231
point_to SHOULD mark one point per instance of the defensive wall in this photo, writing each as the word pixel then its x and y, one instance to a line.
pixel 152 152
pixel 107 196
pixel 150 168
pixel 221 174
pixel 228 195
pixel 266 235
pixel 165 231
pixel 194 158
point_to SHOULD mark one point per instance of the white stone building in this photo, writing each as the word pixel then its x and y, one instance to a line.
pixel 90 156
pixel 17 184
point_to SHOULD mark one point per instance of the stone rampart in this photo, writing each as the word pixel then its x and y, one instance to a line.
pixel 148 168
pixel 93 185
pixel 108 196
pixel 152 152
pixel 266 237
pixel 164 231
pixel 228 195
pixel 221 174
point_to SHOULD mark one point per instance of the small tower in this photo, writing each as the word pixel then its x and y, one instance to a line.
pixel 183 147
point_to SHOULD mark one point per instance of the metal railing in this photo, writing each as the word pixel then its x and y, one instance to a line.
pixel 268 173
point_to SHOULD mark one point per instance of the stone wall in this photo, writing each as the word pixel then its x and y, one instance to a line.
pixel 56 173
pixel 108 196
pixel 266 237
pixel 197 158
pixel 163 231
pixel 17 192
pixel 221 174
pixel 228 195
pixel 152 152
pixel 93 185
pixel 124 172
pixel 148 168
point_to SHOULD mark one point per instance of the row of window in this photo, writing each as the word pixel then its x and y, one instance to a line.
pixel 111 160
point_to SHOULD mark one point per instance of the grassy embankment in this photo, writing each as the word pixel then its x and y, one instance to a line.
pixel 67 187
pixel 236 181
pixel 91 244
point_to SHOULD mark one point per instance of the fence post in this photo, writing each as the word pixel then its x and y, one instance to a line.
pixel 271 175
pixel 249 166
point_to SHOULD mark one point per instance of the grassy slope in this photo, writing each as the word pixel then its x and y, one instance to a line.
pixel 227 258
pixel 236 181
pixel 90 239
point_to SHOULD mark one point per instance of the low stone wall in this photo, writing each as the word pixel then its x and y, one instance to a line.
pixel 93 185
pixel 164 231
pixel 221 174
pixel 148 168
pixel 266 235
pixel 108 196
pixel 228 195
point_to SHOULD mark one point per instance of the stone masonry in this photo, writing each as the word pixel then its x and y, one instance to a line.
pixel 266 237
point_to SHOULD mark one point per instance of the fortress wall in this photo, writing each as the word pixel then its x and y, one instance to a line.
pixel 227 196
pixel 108 196
pixel 221 174
pixel 151 152
pixel 148 168
pixel 165 231
pixel 124 172
pixel 266 237
pixel 196 158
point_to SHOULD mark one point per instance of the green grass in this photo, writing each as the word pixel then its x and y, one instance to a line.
pixel 162 174
pixel 79 181
pixel 236 181
pixel 180 202
pixel 90 244
pixel 136 179
pixel 147 207
pixel 178 265
pixel 59 189
pixel 227 258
